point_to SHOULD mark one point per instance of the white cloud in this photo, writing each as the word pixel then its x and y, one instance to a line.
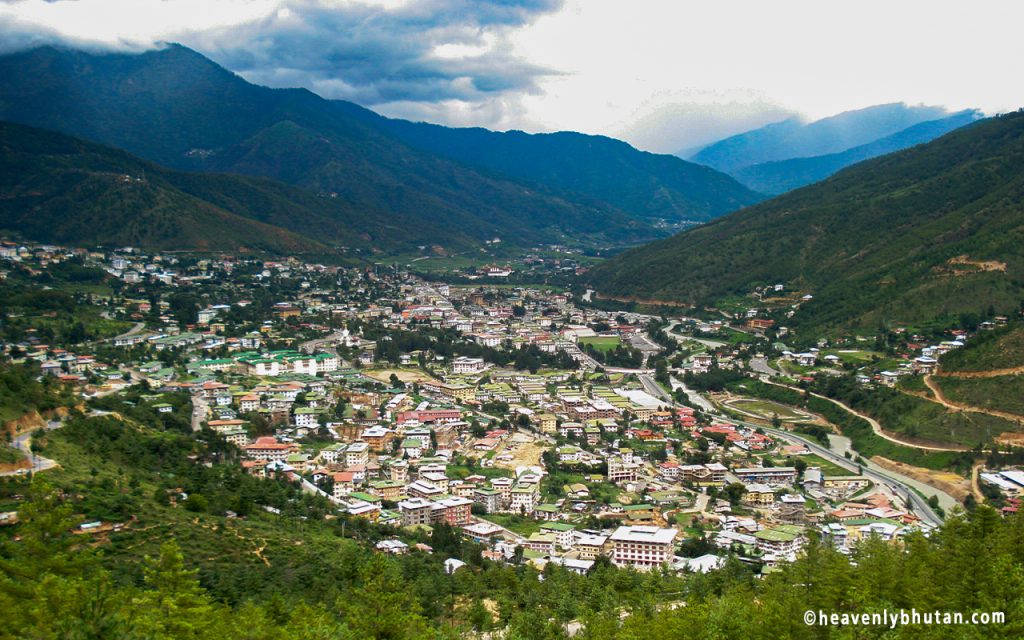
pixel 663 74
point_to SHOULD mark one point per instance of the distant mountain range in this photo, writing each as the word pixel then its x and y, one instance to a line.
pixel 919 235
pixel 790 154
pixel 396 185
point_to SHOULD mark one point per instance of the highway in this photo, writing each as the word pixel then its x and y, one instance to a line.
pixel 897 482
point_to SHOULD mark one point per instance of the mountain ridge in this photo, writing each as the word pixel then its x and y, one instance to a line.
pixel 907 237
pixel 177 108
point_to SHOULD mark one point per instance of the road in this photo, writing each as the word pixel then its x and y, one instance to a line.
pixel 835 453
pixel 310 346
pixel 653 388
pixel 761 366
pixel 695 398
pixel 199 411
pixel 899 483
pixel 136 328
pixel 24 443
pixel 876 426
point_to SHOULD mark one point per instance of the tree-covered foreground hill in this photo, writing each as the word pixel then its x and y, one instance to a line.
pixel 181 569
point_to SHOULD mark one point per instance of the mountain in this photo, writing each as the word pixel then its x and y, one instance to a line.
pixel 55 188
pixel 785 175
pixel 650 185
pixel 793 138
pixel 918 235
pixel 177 108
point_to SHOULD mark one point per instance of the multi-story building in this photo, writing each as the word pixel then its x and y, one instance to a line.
pixel 357 453
pixel 642 547
pixel 772 476
pixel 267 448
pixel 415 511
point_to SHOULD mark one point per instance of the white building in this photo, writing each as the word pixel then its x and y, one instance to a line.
pixel 642 547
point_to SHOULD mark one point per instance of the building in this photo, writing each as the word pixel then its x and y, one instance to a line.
pixel 642 547
pixel 415 511
pixel 357 453
pixel 783 541
pixel 463 365
pixel 772 476
pixel 267 448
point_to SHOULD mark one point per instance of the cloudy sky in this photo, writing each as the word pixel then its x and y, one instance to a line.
pixel 664 75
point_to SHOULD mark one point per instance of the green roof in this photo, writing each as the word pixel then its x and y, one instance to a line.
pixel 365 497
pixel 557 526
pixel 775 535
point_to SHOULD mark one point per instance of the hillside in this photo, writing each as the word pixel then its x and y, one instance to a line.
pixel 785 175
pixel 650 185
pixel 794 138
pixel 924 234
pixel 177 108
pixel 277 567
pixel 58 189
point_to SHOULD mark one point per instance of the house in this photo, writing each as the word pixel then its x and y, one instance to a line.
pixel 344 483
pixel 758 495
pixel 489 499
pixel 415 511
pixel 564 533
pixel 541 542
pixel 523 500
pixel 590 546
pixel 357 453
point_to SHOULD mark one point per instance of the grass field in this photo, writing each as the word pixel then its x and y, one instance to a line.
pixel 827 467
pixel 604 344
pixel 853 356
pixel 919 418
pixel 521 525
pixel 767 409
pixel 10 455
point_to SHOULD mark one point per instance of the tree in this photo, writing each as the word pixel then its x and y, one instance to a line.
pixel 383 607
pixel 174 606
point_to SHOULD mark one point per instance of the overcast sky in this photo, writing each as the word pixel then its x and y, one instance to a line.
pixel 664 75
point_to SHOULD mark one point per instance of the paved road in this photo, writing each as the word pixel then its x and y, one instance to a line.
pixel 24 443
pixel 695 398
pixel 310 346
pixel 761 366
pixel 654 389
pixel 897 482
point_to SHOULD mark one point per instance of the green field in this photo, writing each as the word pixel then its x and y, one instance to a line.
pixel 522 525
pixel 602 343
pixel 767 409
pixel 853 356
pixel 827 467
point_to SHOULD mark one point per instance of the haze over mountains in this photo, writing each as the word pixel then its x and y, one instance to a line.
pixel 790 154
pixel 929 231
pixel 442 186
